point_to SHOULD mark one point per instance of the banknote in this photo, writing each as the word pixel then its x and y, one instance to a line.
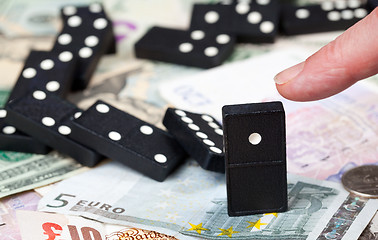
pixel 324 138
pixel 9 229
pixel 39 225
pixel 192 203
pixel 36 171
pixel 149 82
pixel 371 231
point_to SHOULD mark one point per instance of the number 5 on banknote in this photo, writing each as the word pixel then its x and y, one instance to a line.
pixel 63 201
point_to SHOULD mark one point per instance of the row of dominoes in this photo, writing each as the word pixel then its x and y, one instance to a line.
pixel 37 107
pixel 86 35
pixel 215 28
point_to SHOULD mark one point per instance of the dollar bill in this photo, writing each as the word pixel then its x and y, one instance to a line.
pixel 9 229
pixel 192 203
pixel 36 171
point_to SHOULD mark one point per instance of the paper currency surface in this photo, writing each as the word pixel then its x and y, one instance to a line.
pixel 192 203
pixel 9 228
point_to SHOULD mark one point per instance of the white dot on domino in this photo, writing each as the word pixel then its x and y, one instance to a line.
pixel 334 16
pixel 201 135
pixel 327 5
pixel 215 149
pixel 91 41
pixel 9 130
pixel 48 121
pixel 223 39
pixel 354 3
pixel 193 127
pixel 29 73
pixel 115 136
pixel 347 14
pixel 64 39
pixel 64 130
pixel 102 108
pixel 211 17
pixel 52 86
pixel 213 125
pixel 209 142
pixel 187 119
pixel 360 13
pixel 77 115
pixel 47 64
pixel 211 51
pixel 254 17
pixel 266 27
pixel 218 131
pixel 160 158
pixel 180 112
pixel 146 130
pixel 3 113
pixel 302 13
pixel 85 52
pixel 74 21
pixel 69 10
pixel 263 2
pixel 207 118
pixel 242 8
pixel 197 35
pixel 39 95
pixel 341 4
pixel 100 23
pixel 65 56
pixel 95 8
pixel 254 138
pixel 185 47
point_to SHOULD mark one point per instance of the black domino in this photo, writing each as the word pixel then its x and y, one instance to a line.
pixel 129 140
pixel 13 140
pixel 252 22
pixel 255 153
pixel 197 47
pixel 46 71
pixel 47 118
pixel 256 21
pixel 324 17
pixel 88 33
pixel 212 17
pixel 200 135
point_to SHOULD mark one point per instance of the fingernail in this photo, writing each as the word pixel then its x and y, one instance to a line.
pixel 288 74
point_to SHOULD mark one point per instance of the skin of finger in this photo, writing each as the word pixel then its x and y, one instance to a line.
pixel 350 57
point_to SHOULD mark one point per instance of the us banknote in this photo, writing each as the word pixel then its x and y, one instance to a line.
pixel 192 203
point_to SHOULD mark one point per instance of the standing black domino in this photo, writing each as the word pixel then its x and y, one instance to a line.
pixel 88 33
pixel 195 48
pixel 200 135
pixel 328 16
pixel 46 71
pixel 255 153
pixel 129 140
pixel 48 119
